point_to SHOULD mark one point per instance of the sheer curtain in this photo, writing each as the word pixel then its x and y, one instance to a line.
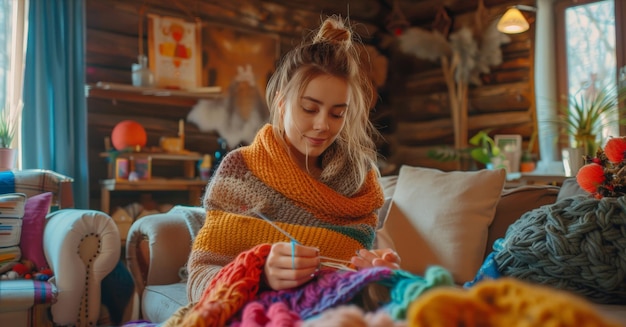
pixel 12 50
pixel 54 118
pixel 545 84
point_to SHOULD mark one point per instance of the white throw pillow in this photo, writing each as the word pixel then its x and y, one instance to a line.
pixel 442 218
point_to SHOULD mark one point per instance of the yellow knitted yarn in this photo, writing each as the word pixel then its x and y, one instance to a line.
pixel 228 235
pixel 503 302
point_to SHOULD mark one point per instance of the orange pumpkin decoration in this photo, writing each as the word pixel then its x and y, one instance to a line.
pixel 128 134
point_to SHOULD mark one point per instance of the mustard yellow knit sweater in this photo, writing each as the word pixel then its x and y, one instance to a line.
pixel 335 215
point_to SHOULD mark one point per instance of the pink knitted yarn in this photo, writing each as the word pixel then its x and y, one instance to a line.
pixel 351 315
pixel 278 315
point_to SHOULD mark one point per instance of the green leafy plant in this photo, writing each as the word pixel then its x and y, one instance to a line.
pixel 586 114
pixel 7 129
pixel 483 149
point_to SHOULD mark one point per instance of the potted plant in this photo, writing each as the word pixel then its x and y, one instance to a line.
pixel 586 114
pixel 483 150
pixel 527 162
pixel 8 129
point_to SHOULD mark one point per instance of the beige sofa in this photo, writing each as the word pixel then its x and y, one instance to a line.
pixel 158 245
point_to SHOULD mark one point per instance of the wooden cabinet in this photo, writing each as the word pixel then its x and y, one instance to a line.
pixel 188 182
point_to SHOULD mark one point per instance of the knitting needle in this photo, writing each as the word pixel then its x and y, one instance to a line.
pixel 293 247
pixel 333 259
pixel 293 240
pixel 276 226
pixel 337 266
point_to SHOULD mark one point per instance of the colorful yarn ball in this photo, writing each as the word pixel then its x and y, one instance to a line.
pixel 128 134
pixel 590 177
pixel 615 149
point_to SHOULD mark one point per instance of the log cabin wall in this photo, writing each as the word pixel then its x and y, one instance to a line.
pixel 412 113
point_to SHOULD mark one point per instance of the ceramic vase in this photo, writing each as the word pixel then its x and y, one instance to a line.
pixel 572 160
pixel 7 159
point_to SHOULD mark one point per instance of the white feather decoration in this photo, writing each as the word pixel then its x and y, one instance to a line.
pixel 464 44
pixel 424 44
pixel 475 58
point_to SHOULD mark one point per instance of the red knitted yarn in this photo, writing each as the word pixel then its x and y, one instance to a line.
pixel 615 148
pixel 590 176
pixel 234 285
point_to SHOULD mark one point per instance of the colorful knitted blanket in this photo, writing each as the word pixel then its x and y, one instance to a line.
pixel 237 285
pixel 334 215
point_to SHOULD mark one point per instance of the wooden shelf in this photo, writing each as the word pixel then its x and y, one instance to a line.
pixel 153 184
pixel 193 187
pixel 183 156
pixel 188 158
pixel 124 92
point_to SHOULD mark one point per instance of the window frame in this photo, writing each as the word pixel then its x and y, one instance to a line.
pixel 560 6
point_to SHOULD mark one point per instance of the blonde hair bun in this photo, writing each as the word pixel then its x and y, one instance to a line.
pixel 333 30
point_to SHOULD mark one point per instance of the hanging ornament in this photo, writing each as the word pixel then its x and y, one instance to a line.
pixel 397 23
pixel 442 22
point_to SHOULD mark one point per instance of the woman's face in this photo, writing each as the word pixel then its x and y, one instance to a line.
pixel 315 120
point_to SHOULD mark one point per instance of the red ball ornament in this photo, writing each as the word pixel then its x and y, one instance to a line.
pixel 128 134
pixel 590 176
pixel 615 149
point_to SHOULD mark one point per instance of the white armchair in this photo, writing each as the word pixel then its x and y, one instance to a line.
pixel 80 246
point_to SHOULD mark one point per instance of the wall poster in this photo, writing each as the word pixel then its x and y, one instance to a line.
pixel 175 52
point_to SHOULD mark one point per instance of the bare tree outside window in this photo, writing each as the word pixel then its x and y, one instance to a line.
pixel 591 57
pixel 5 41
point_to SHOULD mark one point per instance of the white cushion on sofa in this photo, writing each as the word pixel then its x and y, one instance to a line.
pixel 161 301
pixel 442 218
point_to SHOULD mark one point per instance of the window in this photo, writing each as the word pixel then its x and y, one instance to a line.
pixel 13 25
pixel 589 50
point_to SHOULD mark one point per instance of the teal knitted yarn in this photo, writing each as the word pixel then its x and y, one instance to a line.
pixel 577 244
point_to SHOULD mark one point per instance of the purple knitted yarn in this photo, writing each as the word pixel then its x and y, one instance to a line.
pixel 332 288
pixel 329 289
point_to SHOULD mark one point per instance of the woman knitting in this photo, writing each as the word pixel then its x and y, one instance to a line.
pixel 312 171
pixel 306 191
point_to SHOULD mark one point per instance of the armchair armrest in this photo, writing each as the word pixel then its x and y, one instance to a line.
pixel 81 247
pixel 157 246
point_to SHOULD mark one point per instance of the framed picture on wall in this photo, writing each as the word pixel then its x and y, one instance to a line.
pixel 230 50
pixel 511 147
pixel 175 52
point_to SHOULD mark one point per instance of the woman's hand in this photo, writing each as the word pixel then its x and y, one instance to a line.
pixel 376 258
pixel 281 272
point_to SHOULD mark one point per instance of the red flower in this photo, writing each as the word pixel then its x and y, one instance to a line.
pixel 590 176
pixel 615 148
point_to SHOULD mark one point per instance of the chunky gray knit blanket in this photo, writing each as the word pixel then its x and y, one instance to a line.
pixel 576 244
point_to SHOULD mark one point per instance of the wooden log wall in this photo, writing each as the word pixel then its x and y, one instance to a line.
pixel 412 113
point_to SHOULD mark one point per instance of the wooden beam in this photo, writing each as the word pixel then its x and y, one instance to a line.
pixel 429 131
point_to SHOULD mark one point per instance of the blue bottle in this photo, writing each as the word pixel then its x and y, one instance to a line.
pixel 219 154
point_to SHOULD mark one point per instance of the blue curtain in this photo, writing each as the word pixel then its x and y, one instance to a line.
pixel 54 125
